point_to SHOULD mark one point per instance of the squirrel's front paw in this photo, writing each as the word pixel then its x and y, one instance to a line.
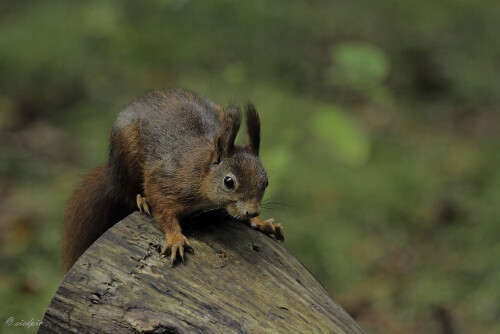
pixel 142 204
pixel 176 243
pixel 268 227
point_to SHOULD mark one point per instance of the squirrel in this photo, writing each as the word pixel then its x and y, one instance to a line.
pixel 172 153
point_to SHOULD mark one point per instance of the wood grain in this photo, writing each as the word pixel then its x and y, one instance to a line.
pixel 239 281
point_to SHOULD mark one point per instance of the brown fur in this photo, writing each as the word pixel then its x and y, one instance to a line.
pixel 91 210
pixel 177 148
pixel 253 129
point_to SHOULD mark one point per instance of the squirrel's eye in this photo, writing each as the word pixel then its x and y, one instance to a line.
pixel 229 182
pixel 266 184
pixel 217 161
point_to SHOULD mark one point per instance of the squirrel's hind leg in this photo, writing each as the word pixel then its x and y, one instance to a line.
pixel 142 204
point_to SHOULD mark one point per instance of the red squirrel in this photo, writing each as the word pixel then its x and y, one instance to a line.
pixel 172 152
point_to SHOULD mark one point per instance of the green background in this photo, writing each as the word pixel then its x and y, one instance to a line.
pixel 380 136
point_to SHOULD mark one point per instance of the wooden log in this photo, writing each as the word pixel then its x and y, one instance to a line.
pixel 239 281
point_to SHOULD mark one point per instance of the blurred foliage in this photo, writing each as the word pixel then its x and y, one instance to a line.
pixel 340 132
pixel 380 136
pixel 361 68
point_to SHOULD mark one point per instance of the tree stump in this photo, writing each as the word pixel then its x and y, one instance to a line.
pixel 239 281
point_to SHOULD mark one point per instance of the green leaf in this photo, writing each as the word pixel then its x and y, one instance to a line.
pixel 362 64
pixel 342 135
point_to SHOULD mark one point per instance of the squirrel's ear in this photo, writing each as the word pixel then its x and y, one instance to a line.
pixel 231 125
pixel 253 129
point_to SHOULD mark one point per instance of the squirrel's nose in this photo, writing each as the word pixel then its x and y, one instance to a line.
pixel 252 214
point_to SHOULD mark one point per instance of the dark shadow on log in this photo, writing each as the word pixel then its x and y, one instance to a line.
pixel 239 281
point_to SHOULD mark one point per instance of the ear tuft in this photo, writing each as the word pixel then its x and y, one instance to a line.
pixel 231 125
pixel 253 129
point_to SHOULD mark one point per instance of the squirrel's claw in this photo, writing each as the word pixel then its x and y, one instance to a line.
pixel 142 204
pixel 188 246
pixel 174 248
pixel 173 253
pixel 268 227
pixel 181 253
pixel 278 232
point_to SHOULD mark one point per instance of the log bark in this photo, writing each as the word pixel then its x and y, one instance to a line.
pixel 239 281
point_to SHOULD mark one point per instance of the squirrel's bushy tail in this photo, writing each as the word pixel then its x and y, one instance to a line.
pixel 91 210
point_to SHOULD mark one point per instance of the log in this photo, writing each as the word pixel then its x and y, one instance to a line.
pixel 239 281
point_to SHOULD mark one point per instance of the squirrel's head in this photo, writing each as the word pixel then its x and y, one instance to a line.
pixel 237 178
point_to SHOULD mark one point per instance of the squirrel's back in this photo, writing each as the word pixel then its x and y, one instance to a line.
pixel 170 117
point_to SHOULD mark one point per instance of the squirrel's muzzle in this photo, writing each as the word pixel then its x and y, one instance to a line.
pixel 244 210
